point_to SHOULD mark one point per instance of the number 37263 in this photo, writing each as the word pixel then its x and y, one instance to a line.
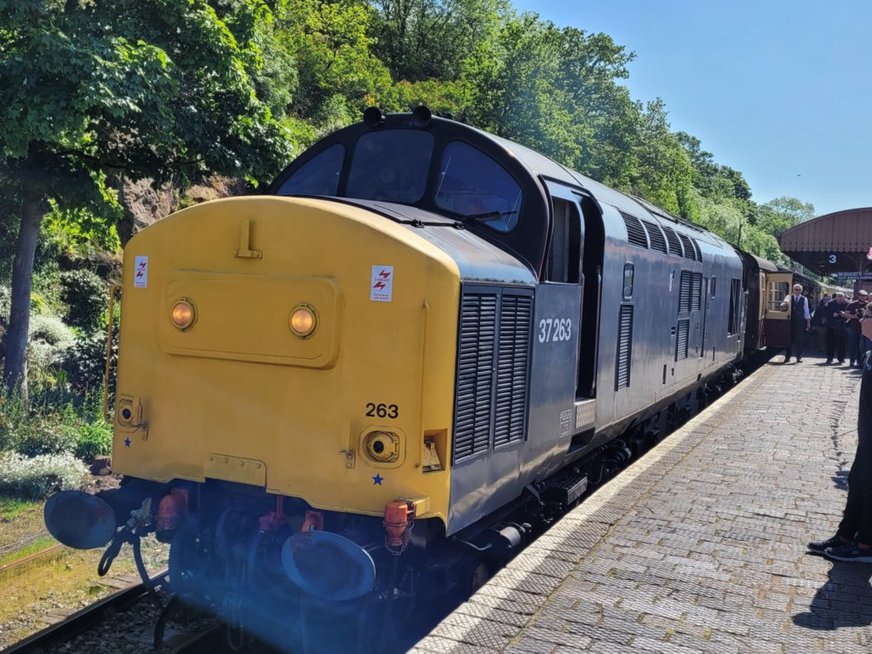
pixel 553 330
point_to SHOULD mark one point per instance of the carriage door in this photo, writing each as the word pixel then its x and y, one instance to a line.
pixel 776 322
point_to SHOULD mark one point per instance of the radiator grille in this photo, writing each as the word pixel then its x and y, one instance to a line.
pixel 658 242
pixel 683 333
pixel 696 249
pixel 513 361
pixel 492 371
pixel 674 243
pixel 635 231
pixel 625 347
pixel 684 292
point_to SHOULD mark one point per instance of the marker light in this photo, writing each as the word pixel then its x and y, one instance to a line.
pixel 183 314
pixel 303 321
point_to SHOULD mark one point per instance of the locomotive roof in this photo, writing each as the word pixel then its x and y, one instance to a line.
pixel 528 239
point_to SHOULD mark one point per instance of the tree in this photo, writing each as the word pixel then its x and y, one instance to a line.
pixel 98 89
pixel 430 39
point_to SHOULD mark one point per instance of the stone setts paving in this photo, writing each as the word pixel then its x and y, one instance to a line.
pixel 700 545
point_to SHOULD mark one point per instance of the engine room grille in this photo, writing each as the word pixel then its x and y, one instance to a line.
pixel 674 243
pixel 696 292
pixel 493 365
pixel 635 232
pixel 681 340
pixel 689 252
pixel 625 347
pixel 513 361
pixel 658 242
pixel 684 291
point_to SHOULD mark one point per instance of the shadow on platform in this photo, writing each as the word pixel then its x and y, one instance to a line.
pixel 845 600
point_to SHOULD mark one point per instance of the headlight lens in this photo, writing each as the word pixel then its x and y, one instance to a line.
pixel 183 314
pixel 303 321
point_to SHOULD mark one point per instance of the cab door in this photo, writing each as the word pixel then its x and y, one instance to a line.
pixel 776 321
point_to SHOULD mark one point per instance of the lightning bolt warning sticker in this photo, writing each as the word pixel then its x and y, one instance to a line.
pixel 140 274
pixel 381 285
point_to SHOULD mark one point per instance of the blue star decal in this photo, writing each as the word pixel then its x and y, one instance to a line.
pixel 126 442
pixel 377 480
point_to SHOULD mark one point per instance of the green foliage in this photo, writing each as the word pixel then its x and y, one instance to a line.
pixel 49 339
pixel 84 363
pixel 37 477
pixel 84 294
pixel 95 439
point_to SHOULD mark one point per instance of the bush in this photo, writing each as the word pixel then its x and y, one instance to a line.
pixel 45 434
pixel 49 340
pixel 84 363
pixel 84 293
pixel 94 439
pixel 39 476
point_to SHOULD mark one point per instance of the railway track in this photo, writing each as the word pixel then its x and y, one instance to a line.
pixel 85 619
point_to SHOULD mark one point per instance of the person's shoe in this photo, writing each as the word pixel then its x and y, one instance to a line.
pixel 799 359
pixel 820 546
pixel 850 552
pixel 841 361
pixel 828 362
pixel 786 360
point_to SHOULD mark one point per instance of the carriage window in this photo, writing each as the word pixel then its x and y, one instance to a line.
pixel 390 165
pixel 320 176
pixel 474 185
pixel 777 292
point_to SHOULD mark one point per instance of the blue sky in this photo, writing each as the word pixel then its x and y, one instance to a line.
pixel 780 90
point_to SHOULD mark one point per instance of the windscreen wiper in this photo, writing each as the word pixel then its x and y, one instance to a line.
pixel 487 215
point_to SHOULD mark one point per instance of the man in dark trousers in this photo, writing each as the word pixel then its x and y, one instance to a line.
pixel 800 322
pixel 837 327
pixel 853 539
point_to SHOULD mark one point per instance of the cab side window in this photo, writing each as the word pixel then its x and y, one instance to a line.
pixel 319 176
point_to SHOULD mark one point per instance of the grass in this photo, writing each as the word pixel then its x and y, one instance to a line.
pixel 38 545
pixel 12 507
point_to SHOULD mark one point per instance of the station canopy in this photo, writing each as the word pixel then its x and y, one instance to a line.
pixel 835 244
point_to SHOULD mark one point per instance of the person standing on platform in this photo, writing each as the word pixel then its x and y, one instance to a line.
pixel 800 322
pixel 837 328
pixel 853 539
pixel 819 322
pixel 854 312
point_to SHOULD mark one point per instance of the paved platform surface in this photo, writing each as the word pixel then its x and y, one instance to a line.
pixel 700 545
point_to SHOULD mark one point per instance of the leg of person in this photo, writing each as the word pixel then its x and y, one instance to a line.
pixel 830 344
pixel 840 346
pixel 799 341
pixel 858 511
pixel 853 345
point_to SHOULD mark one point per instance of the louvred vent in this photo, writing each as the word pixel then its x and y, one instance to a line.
pixel 492 371
pixel 658 241
pixel 625 347
pixel 635 232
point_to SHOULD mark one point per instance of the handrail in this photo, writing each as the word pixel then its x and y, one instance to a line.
pixel 108 367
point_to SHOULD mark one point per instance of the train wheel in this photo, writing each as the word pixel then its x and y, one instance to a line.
pixel 479 575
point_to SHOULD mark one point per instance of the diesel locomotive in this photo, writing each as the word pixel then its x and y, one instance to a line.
pixel 373 384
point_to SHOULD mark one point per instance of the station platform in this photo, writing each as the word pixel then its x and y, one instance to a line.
pixel 699 546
